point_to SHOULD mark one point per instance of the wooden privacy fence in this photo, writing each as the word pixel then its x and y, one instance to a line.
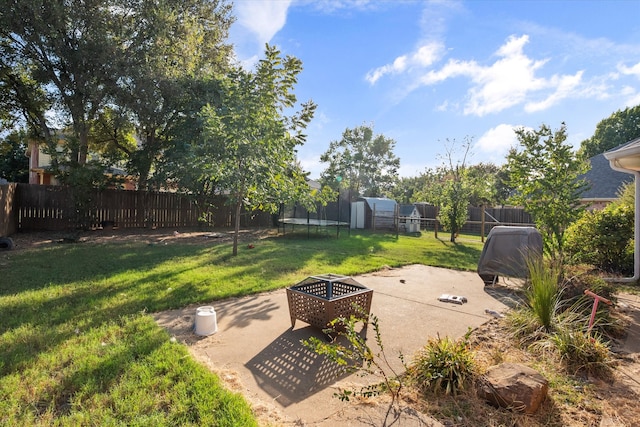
pixel 44 207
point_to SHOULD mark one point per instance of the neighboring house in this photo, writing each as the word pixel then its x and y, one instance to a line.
pixel 41 173
pixel 40 165
pixel 604 181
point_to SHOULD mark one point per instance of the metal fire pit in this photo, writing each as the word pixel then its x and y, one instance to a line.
pixel 317 300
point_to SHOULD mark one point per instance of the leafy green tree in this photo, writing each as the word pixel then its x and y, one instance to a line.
pixel 483 182
pixel 362 162
pixel 454 191
pixel 544 172
pixel 409 189
pixel 602 238
pixel 14 164
pixel 449 187
pixel 619 128
pixel 503 188
pixel 105 67
pixel 68 50
pixel 249 142
pixel 169 72
pixel 23 102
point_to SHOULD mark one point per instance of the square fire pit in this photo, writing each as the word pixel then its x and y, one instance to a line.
pixel 317 300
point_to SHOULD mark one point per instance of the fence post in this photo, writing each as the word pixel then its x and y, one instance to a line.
pixel 435 224
pixel 396 214
pixel 482 224
pixel 373 218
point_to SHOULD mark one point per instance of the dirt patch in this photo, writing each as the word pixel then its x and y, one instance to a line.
pixel 25 241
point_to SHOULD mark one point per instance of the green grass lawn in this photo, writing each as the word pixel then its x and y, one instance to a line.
pixel 78 346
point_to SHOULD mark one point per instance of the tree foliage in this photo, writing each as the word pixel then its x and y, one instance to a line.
pixel 603 239
pixel 544 171
pixel 14 164
pixel 106 68
pixel 67 50
pixel 450 186
pixel 619 128
pixel 455 190
pixel 362 162
pixel 169 71
pixel 249 142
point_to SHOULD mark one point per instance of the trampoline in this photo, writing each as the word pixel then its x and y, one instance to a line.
pixel 312 222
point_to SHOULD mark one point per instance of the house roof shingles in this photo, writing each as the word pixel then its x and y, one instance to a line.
pixel 605 182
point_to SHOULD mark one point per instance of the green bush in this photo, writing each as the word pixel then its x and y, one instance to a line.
pixel 443 364
pixel 603 239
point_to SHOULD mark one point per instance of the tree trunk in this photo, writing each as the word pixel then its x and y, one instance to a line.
pixel 83 149
pixel 236 226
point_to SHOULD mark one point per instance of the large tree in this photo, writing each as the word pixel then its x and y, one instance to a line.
pixel 169 71
pixel 619 128
pixel 68 49
pixel 543 170
pixel 362 162
pixel 249 144
pixel 108 67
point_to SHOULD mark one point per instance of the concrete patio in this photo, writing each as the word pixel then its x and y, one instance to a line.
pixel 257 351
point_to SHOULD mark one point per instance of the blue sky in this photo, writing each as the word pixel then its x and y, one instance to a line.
pixel 422 72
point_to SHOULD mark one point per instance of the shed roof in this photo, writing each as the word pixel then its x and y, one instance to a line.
pixel 381 203
pixel 408 210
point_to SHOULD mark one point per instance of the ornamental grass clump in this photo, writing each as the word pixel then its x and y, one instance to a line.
pixel 581 351
pixel 444 364
pixel 543 296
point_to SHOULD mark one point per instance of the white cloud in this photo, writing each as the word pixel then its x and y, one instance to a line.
pixel 634 70
pixel 496 142
pixel 263 18
pixel 424 56
pixel 565 86
pixel 513 79
pixel 632 97
pixel 506 82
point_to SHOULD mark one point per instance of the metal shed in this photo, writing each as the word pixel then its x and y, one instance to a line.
pixel 374 213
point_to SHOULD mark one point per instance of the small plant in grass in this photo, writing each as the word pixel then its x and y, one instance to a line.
pixel 444 364
pixel 357 356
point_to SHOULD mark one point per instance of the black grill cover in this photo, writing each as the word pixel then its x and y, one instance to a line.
pixel 506 250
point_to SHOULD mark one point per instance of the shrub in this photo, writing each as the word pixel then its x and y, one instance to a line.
pixel 603 239
pixel 443 364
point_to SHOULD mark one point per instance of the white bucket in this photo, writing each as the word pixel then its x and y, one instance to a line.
pixel 206 322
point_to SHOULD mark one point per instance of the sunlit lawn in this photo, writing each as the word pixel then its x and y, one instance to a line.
pixel 78 347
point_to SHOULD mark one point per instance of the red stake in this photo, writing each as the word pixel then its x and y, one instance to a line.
pixel 596 299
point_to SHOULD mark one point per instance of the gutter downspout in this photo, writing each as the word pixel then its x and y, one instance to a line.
pixel 636 228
